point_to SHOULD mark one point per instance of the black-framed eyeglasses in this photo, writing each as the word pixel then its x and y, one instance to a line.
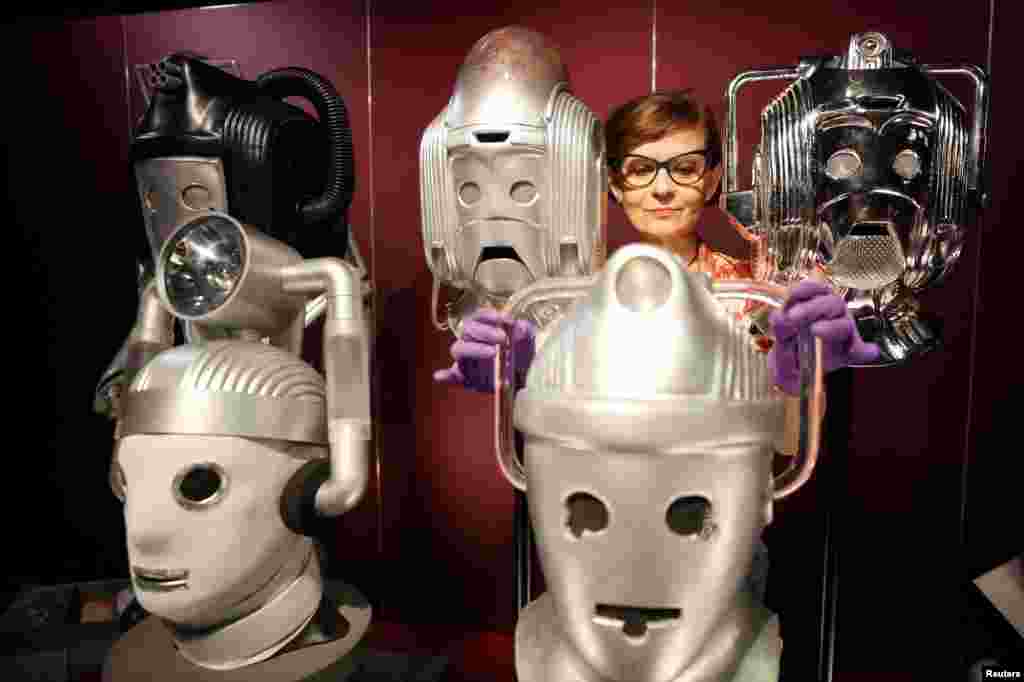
pixel 685 169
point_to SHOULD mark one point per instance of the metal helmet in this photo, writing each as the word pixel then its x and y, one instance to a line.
pixel 512 175
pixel 649 419
pixel 218 444
pixel 869 173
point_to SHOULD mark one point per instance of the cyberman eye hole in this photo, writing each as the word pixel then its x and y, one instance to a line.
pixel 843 165
pixel 200 486
pixel 469 193
pixel 907 164
pixel 690 516
pixel 523 192
pixel 585 514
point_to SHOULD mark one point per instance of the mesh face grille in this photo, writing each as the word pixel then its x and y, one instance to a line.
pixel 867 262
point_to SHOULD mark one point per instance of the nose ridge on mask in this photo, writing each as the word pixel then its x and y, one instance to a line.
pixel 149 532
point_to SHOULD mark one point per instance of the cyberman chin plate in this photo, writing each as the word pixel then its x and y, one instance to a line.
pixel 867 175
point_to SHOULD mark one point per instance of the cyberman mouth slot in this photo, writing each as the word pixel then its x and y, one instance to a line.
pixel 494 252
pixel 491 137
pixel 870 229
pixel 635 620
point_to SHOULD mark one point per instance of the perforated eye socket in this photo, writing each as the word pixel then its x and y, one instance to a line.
pixel 469 193
pixel 200 485
pixel 688 516
pixel 843 165
pixel 907 164
pixel 523 192
pixel 585 514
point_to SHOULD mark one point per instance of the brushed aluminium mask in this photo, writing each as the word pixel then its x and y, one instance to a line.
pixel 649 421
pixel 512 176
pixel 868 174
pixel 221 458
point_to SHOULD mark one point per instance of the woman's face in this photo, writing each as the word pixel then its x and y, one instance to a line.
pixel 665 210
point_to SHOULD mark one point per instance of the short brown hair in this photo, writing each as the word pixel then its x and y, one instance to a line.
pixel 650 117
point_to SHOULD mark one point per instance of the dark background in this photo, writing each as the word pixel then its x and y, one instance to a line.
pixel 919 480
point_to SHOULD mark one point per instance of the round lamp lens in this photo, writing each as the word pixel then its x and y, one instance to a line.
pixel 203 265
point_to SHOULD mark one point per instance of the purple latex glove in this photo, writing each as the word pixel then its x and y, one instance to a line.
pixel 474 352
pixel 812 305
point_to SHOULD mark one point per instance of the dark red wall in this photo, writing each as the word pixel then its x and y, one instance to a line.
pixel 432 541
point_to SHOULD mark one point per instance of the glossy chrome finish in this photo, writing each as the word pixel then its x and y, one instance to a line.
pixel 894 221
pixel 254 299
pixel 512 177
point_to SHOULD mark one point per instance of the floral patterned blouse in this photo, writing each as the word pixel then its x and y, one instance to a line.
pixel 720 266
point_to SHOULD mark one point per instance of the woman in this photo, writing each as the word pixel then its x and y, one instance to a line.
pixel 664 166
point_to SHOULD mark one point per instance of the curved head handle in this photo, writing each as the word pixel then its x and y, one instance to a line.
pixel 338 190
pixel 811 391
pixel 731 153
pixel 809 349
pixel 979 132
pixel 504 438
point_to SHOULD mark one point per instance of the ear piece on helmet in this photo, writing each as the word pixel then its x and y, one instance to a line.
pixel 298 500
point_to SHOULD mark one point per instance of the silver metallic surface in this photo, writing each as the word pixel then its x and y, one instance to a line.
pixel 867 174
pixel 255 299
pixel 354 257
pixel 512 174
pixel 346 368
pixel 175 189
pixel 164 400
pixel 630 305
pixel 645 399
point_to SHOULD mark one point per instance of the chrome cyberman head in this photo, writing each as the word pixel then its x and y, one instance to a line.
pixel 868 173
pixel 224 462
pixel 512 176
pixel 648 420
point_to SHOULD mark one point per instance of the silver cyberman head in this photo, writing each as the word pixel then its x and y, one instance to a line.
pixel 869 174
pixel 220 451
pixel 512 175
pixel 648 420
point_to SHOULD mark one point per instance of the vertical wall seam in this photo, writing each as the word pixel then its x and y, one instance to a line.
pixel 654 45
pixel 981 224
pixel 373 277
pixel 127 77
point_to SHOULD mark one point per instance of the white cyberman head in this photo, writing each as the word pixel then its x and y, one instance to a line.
pixel 221 450
pixel 649 471
pixel 512 175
